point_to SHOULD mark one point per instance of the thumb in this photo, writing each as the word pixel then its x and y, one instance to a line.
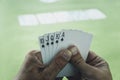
pixel 84 68
pixel 58 63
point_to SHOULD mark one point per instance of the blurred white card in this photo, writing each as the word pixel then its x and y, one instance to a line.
pixel 78 38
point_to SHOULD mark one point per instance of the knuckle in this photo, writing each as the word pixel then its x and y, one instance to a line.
pixel 60 63
pixel 31 56
pixel 105 62
pixel 77 60
pixel 33 53
pixel 34 59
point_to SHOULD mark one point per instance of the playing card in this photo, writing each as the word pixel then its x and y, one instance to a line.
pixel 51 44
pixel 54 42
pixel 61 40
pixel 42 47
pixel 78 38
pixel 47 48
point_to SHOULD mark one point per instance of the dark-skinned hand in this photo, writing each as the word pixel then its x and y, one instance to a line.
pixel 94 68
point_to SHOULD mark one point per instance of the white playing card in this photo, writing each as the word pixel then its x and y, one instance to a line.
pixel 42 47
pixel 51 44
pixel 56 42
pixel 61 40
pixel 47 45
pixel 78 38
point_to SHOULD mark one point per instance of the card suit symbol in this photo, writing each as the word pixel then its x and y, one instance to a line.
pixel 47 44
pixel 62 39
pixel 43 46
pixel 57 41
pixel 52 43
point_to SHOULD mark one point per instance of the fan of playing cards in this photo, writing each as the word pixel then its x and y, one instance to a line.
pixel 52 43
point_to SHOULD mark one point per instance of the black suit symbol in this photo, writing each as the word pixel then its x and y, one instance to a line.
pixel 62 39
pixel 43 46
pixel 47 43
pixel 56 41
pixel 52 43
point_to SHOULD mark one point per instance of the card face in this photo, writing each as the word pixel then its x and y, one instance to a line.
pixel 47 45
pixel 42 47
pixel 52 43
pixel 56 42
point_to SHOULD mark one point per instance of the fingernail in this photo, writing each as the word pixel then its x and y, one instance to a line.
pixel 74 50
pixel 67 55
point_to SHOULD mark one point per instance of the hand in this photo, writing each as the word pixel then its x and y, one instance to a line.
pixel 34 69
pixel 95 68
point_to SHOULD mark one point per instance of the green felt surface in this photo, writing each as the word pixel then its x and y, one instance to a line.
pixel 16 41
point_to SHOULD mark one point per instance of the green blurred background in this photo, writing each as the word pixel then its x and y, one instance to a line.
pixel 16 40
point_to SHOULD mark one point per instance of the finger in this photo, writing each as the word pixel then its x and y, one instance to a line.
pixel 76 56
pixel 96 61
pixel 84 68
pixel 58 63
pixel 100 63
pixel 34 58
